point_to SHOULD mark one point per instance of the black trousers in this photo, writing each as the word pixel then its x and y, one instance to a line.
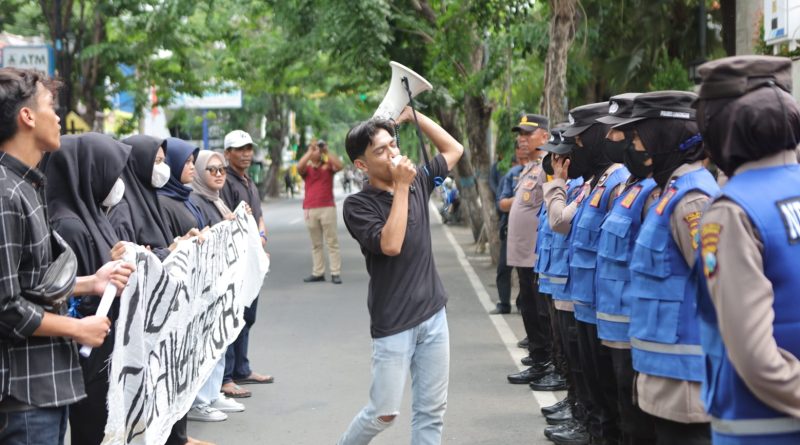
pixel 577 391
pixel 636 426
pixel 603 416
pixel 503 276
pixel 559 348
pixel 669 432
pixel 530 306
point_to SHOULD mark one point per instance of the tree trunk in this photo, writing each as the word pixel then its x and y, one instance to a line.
pixel 479 115
pixel 562 33
pixel 465 175
pixel 277 130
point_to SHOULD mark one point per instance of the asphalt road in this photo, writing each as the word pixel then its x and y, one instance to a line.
pixel 314 338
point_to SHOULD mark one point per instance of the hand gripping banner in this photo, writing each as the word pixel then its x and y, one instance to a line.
pixel 176 320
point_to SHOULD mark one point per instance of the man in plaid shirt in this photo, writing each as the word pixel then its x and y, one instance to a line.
pixel 39 371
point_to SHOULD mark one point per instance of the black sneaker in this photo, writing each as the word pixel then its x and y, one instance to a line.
pixel 313 279
pixel 571 436
pixel 523 343
pixel 335 279
pixel 550 382
pixel 556 408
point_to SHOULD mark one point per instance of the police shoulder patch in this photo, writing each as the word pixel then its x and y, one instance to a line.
pixel 709 239
pixel 665 198
pixel 790 213
pixel 627 201
pixel 597 196
pixel 693 220
pixel 584 192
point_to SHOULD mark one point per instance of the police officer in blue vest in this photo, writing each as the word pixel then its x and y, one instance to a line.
pixel 569 414
pixel 664 332
pixel 615 248
pixel 584 226
pixel 750 252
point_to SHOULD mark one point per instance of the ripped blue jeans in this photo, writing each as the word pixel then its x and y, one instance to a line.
pixel 425 351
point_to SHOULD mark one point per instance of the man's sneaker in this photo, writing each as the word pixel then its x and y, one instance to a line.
pixel 205 413
pixel 227 405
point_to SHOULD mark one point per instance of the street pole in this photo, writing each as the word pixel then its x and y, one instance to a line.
pixel 58 46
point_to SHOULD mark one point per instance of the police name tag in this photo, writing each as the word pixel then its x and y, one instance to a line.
pixel 627 201
pixel 790 213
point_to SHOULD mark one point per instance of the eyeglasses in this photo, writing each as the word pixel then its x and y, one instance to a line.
pixel 216 171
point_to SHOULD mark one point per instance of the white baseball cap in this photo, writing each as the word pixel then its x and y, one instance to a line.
pixel 237 138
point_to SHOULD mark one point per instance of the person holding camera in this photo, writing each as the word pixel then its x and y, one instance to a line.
pixel 317 168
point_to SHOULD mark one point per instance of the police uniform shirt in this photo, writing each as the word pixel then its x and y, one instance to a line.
pixel 523 218
pixel 678 400
pixel 745 317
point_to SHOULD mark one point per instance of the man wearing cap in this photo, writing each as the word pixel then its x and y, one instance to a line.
pixel 664 331
pixel 582 221
pixel 239 187
pixel 617 238
pixel 505 190
pixel 317 168
pixel 523 219
pixel 749 246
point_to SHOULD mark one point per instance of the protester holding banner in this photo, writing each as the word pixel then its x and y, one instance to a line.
pixel 208 180
pixel 83 181
pixel 39 372
pixel 240 187
pixel 138 217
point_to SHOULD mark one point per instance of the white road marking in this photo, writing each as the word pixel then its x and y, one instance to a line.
pixel 296 221
pixel 543 398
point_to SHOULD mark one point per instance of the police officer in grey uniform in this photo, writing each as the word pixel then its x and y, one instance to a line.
pixel 749 251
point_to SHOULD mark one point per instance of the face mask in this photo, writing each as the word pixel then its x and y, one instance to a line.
pixel 115 195
pixel 634 161
pixel 580 162
pixel 547 164
pixel 161 174
pixel 615 151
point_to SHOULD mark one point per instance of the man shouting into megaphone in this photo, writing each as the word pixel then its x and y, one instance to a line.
pixel 389 218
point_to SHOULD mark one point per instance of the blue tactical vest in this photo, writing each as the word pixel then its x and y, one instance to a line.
pixel 544 241
pixel 614 250
pixel 664 332
pixel 771 199
pixel 583 247
pixel 554 262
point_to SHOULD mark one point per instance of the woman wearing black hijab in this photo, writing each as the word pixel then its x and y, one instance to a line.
pixel 179 213
pixel 138 217
pixel 83 183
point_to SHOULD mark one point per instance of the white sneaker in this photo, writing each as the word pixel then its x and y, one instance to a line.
pixel 227 405
pixel 205 413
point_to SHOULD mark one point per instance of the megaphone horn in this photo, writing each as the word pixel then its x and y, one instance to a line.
pixel 396 98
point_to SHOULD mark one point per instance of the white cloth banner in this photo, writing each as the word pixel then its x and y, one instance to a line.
pixel 176 320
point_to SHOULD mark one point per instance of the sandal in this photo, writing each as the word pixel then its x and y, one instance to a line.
pixel 235 391
pixel 255 378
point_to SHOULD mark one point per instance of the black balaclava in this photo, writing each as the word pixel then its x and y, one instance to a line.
pixel 670 143
pixel 615 151
pixel 747 128
pixel 590 159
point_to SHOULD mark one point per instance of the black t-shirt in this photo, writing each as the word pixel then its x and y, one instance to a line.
pixel 238 189
pixel 404 290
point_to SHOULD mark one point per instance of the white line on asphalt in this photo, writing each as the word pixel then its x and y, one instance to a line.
pixel 543 398
pixel 296 220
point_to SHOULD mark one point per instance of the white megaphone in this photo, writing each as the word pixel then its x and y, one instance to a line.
pixel 396 98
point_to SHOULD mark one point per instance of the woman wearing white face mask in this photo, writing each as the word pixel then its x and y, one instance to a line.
pixel 83 181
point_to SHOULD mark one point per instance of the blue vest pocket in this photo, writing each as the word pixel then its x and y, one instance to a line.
pixel 609 296
pixel 614 243
pixel 650 255
pixel 588 230
pixel 656 320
